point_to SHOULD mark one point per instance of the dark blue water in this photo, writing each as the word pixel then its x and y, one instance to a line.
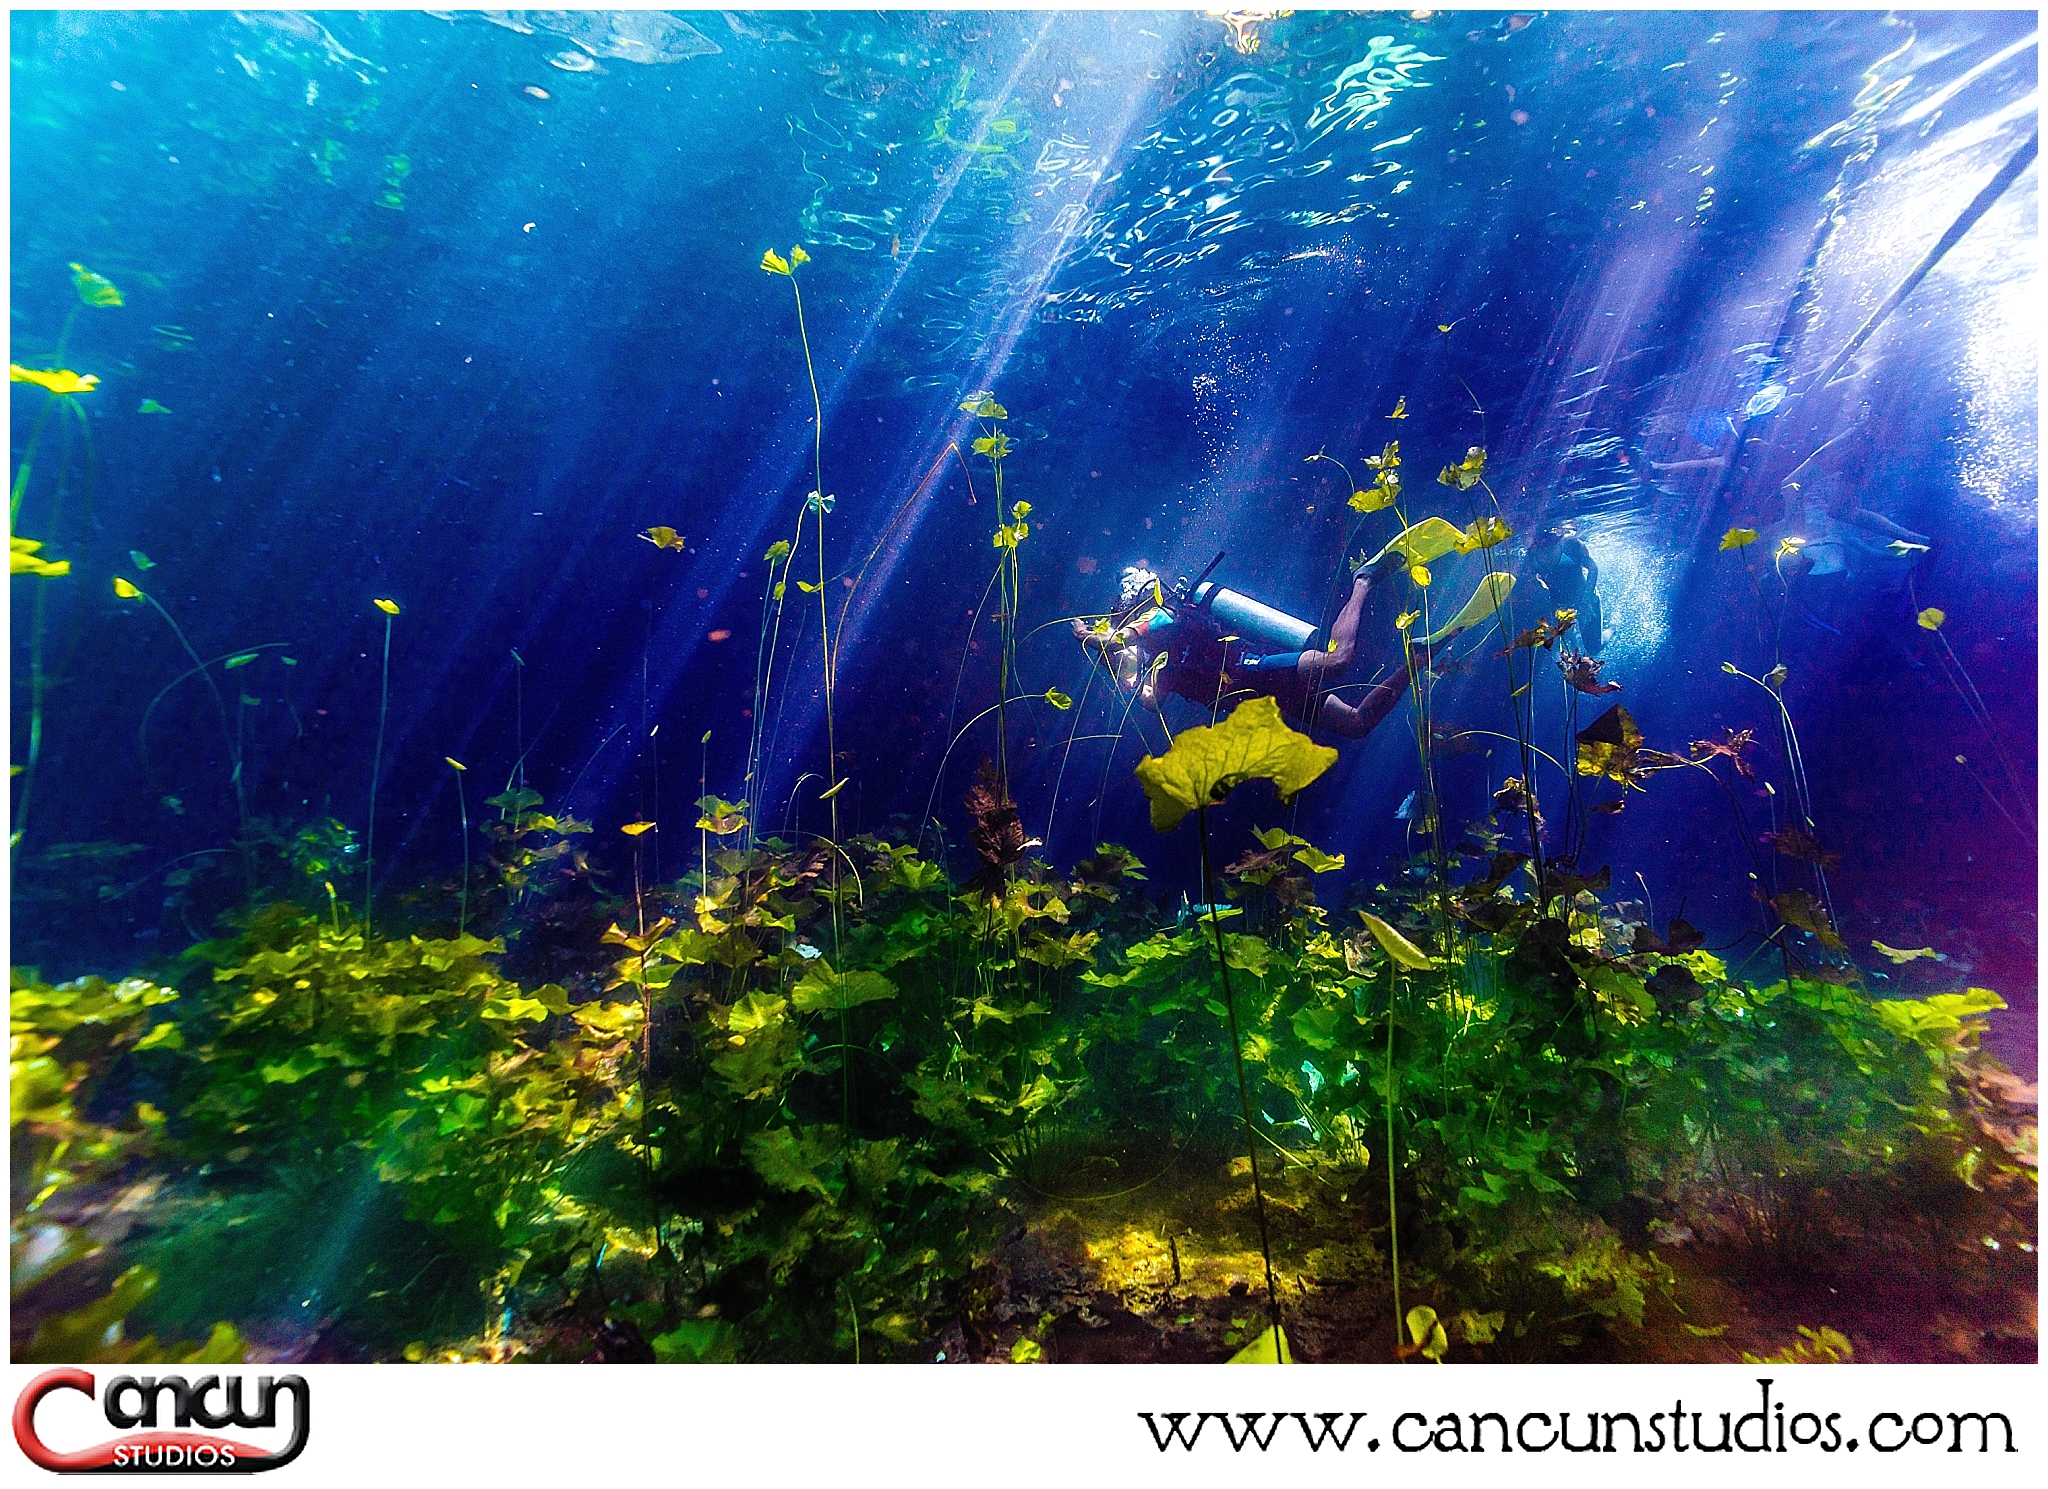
pixel 448 311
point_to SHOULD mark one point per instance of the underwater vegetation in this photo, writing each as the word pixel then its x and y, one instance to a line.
pixel 833 1096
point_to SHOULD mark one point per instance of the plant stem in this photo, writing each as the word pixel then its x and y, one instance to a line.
pixel 219 701
pixel 1244 1098
pixel 376 771
pixel 825 642
pixel 1393 1203
pixel 462 805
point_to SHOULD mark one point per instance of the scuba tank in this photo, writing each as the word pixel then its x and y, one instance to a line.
pixel 1261 627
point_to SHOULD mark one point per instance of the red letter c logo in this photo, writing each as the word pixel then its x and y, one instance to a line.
pixel 25 1420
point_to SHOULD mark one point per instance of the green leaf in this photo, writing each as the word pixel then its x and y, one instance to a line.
pixel 721 816
pixel 1058 699
pixel 755 1011
pixel 242 660
pixel 95 289
pixel 515 1009
pixel 788 1157
pixel 1206 763
pixel 698 1341
pixel 1397 946
pixel 1247 954
pixel 824 989
pixel 1737 537
pixel 1316 1027
pixel 1316 860
pixel 166 1036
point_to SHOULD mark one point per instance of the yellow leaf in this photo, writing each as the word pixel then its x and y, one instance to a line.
pixel 1373 500
pixel 389 607
pixel 1420 575
pixel 663 537
pixel 454 762
pixel 1058 699
pixel 1608 745
pixel 1483 532
pixel 797 255
pixel 1737 537
pixel 774 263
pixel 124 590
pixel 836 787
pixel 1400 408
pixel 1465 475
pixel 634 829
pixel 21 559
pixel 1397 946
pixel 1206 763
pixel 1931 619
pixel 57 380
pixel 1407 619
pixel 1900 957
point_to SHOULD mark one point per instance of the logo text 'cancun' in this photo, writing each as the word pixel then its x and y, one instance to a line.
pixel 134 1406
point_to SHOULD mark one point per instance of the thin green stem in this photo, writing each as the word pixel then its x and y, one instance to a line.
pixel 1244 1097
pixel 1393 1201
pixel 376 772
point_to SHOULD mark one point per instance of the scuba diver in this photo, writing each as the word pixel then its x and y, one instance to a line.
pixel 1560 561
pixel 1849 561
pixel 1209 644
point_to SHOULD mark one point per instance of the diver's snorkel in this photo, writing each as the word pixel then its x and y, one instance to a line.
pixel 1182 589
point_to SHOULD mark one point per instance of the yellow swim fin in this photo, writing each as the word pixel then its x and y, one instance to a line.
pixel 1492 593
pixel 1425 542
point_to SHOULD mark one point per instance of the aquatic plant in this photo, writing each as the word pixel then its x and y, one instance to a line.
pixel 127 589
pixel 390 612
pixel 462 808
pixel 1203 766
pixel 2020 815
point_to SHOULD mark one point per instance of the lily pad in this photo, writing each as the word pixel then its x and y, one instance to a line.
pixel 824 989
pixel 1205 764
pixel 1395 945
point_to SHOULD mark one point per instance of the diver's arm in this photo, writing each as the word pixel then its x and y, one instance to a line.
pixel 1580 557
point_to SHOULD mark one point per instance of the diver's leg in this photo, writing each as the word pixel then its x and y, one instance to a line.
pixel 1321 668
pixel 1591 633
pixel 1350 721
pixel 1876 522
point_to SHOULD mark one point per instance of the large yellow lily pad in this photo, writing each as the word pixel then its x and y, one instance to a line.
pixel 1206 764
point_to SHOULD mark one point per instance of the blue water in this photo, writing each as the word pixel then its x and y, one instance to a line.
pixel 448 310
